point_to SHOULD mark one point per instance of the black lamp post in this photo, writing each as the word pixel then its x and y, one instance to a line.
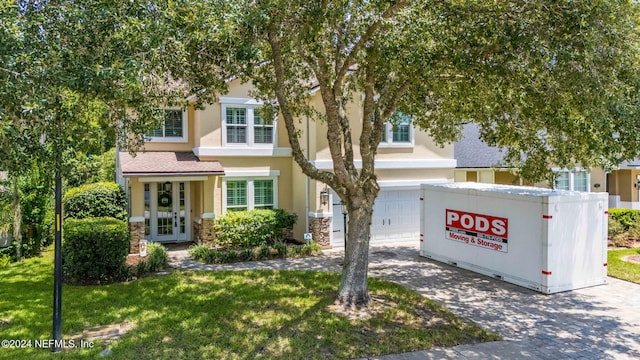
pixel 344 224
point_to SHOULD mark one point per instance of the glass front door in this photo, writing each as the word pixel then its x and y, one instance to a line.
pixel 167 211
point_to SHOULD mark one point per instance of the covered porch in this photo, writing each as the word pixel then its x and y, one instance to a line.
pixel 171 196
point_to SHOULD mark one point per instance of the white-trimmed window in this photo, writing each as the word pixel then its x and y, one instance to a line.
pixel 236 195
pixel 250 193
pixel 398 132
pixel 577 180
pixel 173 128
pixel 244 125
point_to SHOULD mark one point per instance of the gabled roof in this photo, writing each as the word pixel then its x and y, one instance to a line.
pixel 167 163
pixel 471 152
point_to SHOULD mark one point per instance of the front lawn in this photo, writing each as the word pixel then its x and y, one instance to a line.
pixel 223 315
pixel 623 269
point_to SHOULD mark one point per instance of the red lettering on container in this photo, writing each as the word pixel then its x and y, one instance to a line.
pixel 484 224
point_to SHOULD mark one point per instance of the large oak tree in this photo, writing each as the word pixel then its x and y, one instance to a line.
pixel 553 82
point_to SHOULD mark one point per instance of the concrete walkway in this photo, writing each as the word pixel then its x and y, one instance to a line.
pixel 601 322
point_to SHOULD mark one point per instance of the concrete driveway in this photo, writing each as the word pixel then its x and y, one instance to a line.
pixel 601 322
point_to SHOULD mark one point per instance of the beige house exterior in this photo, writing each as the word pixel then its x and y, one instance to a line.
pixel 225 157
pixel 623 185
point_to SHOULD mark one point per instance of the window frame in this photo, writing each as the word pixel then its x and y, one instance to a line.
pixel 572 179
pixel 250 191
pixel 388 132
pixel 250 107
pixel 172 139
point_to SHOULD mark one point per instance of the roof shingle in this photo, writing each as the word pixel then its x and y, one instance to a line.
pixel 167 163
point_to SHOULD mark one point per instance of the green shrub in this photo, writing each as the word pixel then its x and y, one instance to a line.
pixel 199 252
pixel 94 249
pixel 626 217
pixel 104 199
pixel 5 260
pixel 615 228
pixel 157 258
pixel 251 228
pixel 262 252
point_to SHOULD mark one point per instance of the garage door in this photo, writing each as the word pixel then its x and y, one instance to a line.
pixel 396 217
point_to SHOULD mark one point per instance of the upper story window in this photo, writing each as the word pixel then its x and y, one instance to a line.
pixel 572 180
pixel 397 133
pixel 244 124
pixel 173 128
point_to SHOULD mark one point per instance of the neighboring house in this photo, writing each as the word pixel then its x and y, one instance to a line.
pixel 203 163
pixel 623 185
pixel 479 162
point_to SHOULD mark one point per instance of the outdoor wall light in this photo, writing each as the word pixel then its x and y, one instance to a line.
pixel 324 196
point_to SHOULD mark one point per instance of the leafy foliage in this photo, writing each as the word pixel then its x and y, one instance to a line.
pixel 244 229
pixel 626 217
pixel 94 249
pixel 96 200
pixel 262 252
pixel 157 258
pixel 82 168
pixel 553 83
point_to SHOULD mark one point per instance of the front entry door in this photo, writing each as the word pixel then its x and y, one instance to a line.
pixel 169 211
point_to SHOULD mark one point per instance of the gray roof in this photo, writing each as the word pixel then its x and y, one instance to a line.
pixel 471 152
pixel 630 164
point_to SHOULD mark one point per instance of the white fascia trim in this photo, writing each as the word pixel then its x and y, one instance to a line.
pixel 134 219
pixel 251 173
pixel 320 214
pixel 396 164
pixel 152 179
pixel 239 101
pixel 409 184
pixel 220 151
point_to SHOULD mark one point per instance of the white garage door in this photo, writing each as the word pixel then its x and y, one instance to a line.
pixel 396 217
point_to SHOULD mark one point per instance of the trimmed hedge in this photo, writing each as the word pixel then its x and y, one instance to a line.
pixel 245 229
pixel 94 249
pixel 103 199
pixel 263 252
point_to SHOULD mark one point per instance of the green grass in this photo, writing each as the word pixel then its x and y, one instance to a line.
pixel 223 315
pixel 621 269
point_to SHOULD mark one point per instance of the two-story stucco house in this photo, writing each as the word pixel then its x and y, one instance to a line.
pixel 226 157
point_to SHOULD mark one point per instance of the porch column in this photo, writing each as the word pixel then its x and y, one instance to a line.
pixel 205 233
pixel 320 228
pixel 136 219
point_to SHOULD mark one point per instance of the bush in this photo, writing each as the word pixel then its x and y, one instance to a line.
pixel 157 258
pixel 626 217
pixel 615 228
pixel 94 249
pixel 104 199
pixel 5 260
pixel 252 228
pixel 262 252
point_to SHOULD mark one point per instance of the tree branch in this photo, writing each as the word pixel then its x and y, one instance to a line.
pixel 298 155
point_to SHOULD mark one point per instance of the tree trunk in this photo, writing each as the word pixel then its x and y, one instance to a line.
pixel 17 218
pixel 353 291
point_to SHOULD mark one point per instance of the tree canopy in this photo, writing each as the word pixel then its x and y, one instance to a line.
pixel 553 82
